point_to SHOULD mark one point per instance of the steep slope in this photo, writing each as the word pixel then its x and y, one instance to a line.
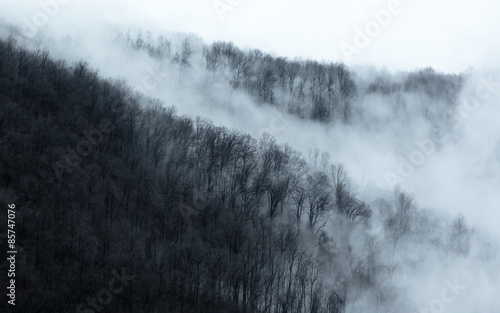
pixel 199 217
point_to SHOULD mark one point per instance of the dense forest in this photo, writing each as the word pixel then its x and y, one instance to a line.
pixel 325 92
pixel 196 217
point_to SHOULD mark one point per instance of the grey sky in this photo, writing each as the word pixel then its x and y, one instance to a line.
pixel 448 35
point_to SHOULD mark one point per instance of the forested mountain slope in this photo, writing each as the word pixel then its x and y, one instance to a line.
pixel 309 89
pixel 347 112
pixel 197 217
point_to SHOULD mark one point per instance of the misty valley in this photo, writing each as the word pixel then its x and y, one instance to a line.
pixel 153 171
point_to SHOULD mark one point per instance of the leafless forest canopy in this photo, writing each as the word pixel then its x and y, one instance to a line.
pixel 209 218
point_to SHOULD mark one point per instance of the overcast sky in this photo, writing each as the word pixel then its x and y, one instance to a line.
pixel 447 35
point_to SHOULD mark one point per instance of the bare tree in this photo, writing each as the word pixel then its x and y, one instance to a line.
pixel 318 196
pixel 398 223
pixel 459 241
pixel 183 57
pixel 213 56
